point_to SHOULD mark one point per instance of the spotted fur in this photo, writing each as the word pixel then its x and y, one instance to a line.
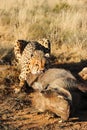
pixel 31 58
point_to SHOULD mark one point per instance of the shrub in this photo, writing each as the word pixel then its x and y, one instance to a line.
pixel 61 6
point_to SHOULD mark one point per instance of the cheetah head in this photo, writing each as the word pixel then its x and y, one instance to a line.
pixel 37 62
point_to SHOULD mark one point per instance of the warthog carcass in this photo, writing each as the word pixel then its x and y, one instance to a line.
pixel 55 89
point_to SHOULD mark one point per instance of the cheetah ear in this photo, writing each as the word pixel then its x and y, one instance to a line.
pixel 47 55
pixel 18 42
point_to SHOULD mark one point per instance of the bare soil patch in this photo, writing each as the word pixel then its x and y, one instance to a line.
pixel 17 112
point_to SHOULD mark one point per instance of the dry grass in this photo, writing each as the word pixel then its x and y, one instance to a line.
pixel 63 22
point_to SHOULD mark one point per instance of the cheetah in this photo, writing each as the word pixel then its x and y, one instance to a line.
pixel 42 44
pixel 31 59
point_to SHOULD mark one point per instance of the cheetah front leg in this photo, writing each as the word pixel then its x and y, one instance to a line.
pixel 22 77
pixel 17 88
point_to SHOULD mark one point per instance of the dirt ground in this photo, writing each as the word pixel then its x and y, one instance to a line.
pixel 17 112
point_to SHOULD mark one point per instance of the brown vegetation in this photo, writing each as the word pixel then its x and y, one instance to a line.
pixel 64 23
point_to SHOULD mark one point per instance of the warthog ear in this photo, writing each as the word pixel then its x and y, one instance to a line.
pixel 83 73
pixel 37 86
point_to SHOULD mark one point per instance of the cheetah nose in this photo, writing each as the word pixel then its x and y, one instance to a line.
pixel 42 69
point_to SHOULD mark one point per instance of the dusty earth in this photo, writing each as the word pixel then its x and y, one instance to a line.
pixel 16 110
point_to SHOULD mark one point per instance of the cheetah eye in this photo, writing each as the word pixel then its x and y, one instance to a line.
pixel 31 55
pixel 36 64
